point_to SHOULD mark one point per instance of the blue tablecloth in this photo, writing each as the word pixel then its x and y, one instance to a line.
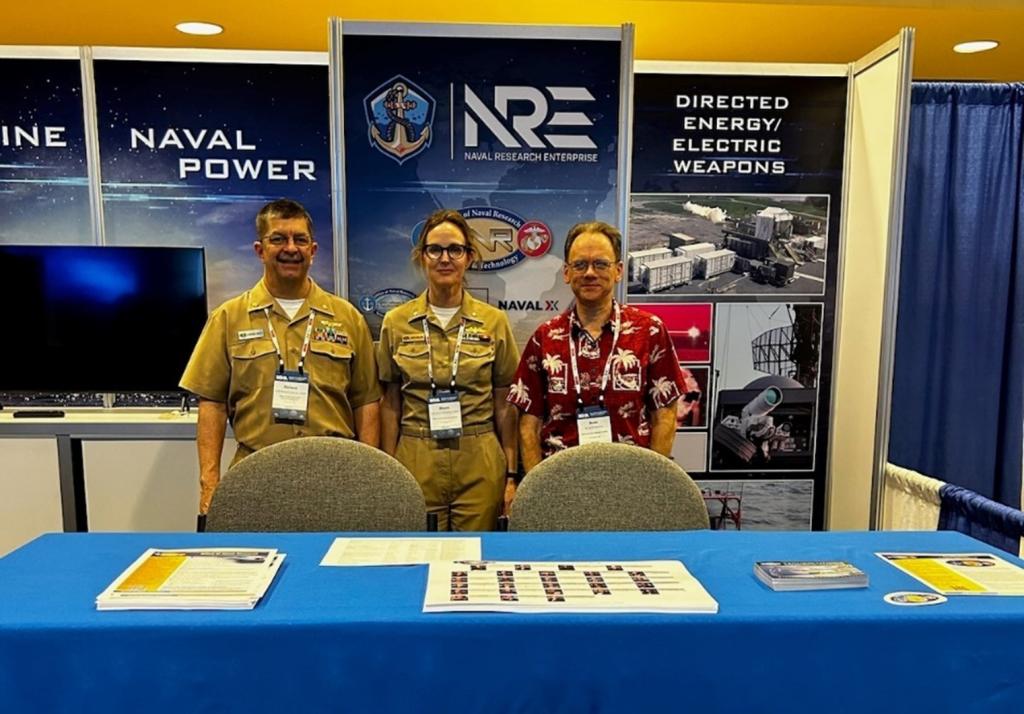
pixel 355 639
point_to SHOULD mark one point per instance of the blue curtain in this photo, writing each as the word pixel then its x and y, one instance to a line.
pixel 971 513
pixel 958 383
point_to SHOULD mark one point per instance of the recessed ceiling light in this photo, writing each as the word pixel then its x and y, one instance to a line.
pixel 967 48
pixel 199 28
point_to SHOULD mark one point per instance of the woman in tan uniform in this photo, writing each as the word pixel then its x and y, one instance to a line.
pixel 446 361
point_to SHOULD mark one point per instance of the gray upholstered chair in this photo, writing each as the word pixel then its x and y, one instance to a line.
pixel 317 483
pixel 607 487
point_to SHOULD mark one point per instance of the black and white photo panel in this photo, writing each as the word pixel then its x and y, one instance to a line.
pixel 767 359
pixel 784 505
pixel 734 244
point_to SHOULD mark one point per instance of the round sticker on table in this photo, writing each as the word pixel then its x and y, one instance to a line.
pixel 911 599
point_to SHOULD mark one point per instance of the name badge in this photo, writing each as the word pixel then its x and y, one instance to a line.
pixel 594 425
pixel 291 397
pixel 244 335
pixel 445 414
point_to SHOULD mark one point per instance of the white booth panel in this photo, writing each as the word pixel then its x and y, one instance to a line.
pixel 876 147
pixel 143 485
pixel 29 491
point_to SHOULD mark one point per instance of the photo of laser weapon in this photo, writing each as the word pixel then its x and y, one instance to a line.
pixel 754 426
pixel 766 425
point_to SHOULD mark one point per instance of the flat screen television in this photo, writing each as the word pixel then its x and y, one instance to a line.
pixel 99 319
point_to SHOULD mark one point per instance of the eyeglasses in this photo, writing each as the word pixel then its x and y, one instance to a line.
pixel 600 266
pixel 301 240
pixel 434 251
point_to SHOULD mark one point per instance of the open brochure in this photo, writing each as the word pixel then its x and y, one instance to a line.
pixel 193 579
pixel 565 586
pixel 961 573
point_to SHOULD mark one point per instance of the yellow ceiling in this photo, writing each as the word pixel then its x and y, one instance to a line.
pixel 759 30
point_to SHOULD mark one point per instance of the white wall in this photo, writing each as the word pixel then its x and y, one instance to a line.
pixel 29 491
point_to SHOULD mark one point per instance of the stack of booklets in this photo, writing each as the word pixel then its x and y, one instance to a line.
pixel 193 579
pixel 809 574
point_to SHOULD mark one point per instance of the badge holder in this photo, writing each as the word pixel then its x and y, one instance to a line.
pixel 291 397
pixel 594 425
pixel 291 389
pixel 445 414
pixel 443 408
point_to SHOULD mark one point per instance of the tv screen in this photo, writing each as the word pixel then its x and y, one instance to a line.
pixel 99 319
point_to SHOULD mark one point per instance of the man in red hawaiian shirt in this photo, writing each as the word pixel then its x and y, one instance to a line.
pixel 600 371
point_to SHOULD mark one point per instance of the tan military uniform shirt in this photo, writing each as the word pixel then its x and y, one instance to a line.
pixel 488 358
pixel 235 362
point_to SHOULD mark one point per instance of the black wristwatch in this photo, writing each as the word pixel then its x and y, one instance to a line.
pixel 514 475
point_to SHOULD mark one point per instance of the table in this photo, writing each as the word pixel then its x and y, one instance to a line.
pixel 355 640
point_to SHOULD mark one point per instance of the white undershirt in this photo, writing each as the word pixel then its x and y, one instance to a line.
pixel 444 314
pixel 290 306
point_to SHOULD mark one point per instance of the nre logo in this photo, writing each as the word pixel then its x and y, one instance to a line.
pixel 516 128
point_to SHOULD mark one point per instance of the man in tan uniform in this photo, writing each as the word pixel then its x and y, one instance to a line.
pixel 284 359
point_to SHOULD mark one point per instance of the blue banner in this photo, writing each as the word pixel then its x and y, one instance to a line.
pixel 44 184
pixel 519 134
pixel 190 151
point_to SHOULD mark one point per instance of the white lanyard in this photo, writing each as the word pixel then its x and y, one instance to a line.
pixel 277 347
pixel 607 364
pixel 430 354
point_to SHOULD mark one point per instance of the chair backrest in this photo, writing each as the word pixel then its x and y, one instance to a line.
pixel 317 483
pixel 607 487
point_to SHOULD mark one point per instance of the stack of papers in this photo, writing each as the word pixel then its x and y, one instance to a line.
pixel 566 586
pixel 193 579
pixel 809 575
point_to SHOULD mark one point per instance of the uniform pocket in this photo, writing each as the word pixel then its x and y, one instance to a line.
pixel 330 365
pixel 476 364
pixel 412 362
pixel 253 365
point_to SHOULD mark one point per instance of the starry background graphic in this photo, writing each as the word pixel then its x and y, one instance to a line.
pixel 44 191
pixel 281 109
pixel 385 200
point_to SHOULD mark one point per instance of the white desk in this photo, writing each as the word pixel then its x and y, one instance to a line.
pixel 99 470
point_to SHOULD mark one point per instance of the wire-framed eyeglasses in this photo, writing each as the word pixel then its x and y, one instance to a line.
pixel 599 266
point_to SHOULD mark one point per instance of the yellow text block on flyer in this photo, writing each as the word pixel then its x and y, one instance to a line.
pixel 961 573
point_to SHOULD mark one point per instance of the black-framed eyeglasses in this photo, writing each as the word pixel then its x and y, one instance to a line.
pixel 301 240
pixel 600 266
pixel 434 251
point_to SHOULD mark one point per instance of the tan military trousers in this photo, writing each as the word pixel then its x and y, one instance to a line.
pixel 463 479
